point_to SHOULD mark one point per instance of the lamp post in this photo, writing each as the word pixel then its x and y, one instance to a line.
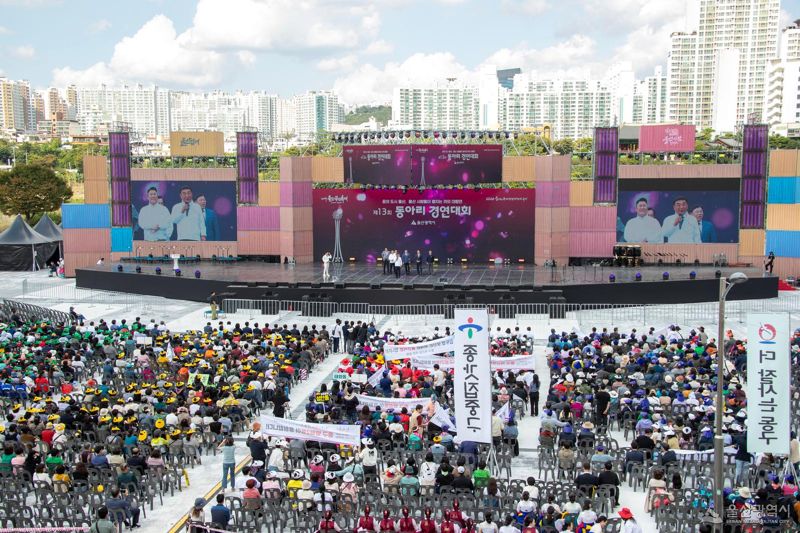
pixel 725 286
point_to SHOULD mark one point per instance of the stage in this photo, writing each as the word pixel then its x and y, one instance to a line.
pixel 360 283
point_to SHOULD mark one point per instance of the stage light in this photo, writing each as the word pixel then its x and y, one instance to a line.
pixel 197 274
pixel 507 135
pixel 472 134
pixel 692 274
pixel 665 276
pixel 119 268
pixel 138 269
pixel 520 260
pixel 436 134
pixel 464 261
pixel 158 271
pixel 638 276
pixel 718 274
pixel 612 278
pixel 463 135
pixel 417 134
pixel 351 259
pixel 177 272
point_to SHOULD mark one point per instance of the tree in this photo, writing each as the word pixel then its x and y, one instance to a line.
pixel 32 189
pixel 564 146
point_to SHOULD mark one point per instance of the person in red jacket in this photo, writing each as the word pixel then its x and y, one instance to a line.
pixel 407 523
pixel 42 385
pixel 47 433
pixel 427 525
pixel 387 524
pixel 448 526
pixel 456 515
pixel 366 523
pixel 328 524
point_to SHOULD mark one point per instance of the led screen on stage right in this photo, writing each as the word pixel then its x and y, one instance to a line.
pixel 678 211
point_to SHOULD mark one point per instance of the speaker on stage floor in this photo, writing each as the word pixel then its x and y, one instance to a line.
pixel 408 286
pixel 338 285
pixel 438 287
pixel 316 285
pixel 375 286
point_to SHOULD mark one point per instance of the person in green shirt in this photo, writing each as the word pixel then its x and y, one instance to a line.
pixel 53 460
pixel 481 475
pixel 126 477
pixel 5 459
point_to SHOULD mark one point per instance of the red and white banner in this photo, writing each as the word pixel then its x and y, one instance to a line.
pixel 420 349
pixel 292 429
pixel 667 138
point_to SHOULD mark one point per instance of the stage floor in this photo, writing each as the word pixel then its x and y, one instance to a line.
pixel 454 275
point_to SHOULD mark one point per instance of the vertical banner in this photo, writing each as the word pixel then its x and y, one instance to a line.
pixel 768 371
pixel 472 376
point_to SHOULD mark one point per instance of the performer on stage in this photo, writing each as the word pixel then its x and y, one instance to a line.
pixel 326 264
pixel 418 260
pixel 770 263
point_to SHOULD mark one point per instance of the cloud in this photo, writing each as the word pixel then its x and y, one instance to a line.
pixel 344 63
pixel 786 19
pixel 379 47
pixel 370 84
pixel 24 51
pixel 574 52
pixel 246 57
pixel 99 26
pixel 4 30
pixel 283 25
pixel 527 7
pixel 154 54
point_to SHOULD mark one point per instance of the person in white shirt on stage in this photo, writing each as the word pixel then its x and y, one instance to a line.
pixel 681 227
pixel 154 218
pixel 188 218
pixel 643 228
pixel 326 265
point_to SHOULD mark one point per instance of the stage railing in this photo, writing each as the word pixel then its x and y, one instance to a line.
pixel 586 313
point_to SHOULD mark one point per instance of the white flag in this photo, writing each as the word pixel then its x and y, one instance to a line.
pixel 473 376
pixel 441 418
pixel 170 352
pixel 504 412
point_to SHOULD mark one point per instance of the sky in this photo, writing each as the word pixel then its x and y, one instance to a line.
pixel 360 48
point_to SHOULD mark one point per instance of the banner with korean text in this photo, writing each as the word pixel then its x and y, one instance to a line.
pixel 391 403
pixel 420 349
pixel 291 429
pixel 768 373
pixel 472 376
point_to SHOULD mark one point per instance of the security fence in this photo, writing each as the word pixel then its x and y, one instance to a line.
pixel 29 312
pixel 583 313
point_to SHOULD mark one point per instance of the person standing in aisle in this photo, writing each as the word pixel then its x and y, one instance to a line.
pixel 336 333
pixel 228 448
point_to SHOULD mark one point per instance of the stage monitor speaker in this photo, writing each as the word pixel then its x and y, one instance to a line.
pixel 408 286
pixel 502 287
pixel 252 284
pixel 375 286
pixel 291 285
pixel 438 287
pixel 272 284
pixel 465 287
pixel 338 285
pixel 316 285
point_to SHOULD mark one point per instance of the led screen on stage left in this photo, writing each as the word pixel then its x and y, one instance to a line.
pixel 184 211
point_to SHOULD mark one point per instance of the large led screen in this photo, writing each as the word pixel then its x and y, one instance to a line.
pixel 378 165
pixel 454 164
pixel 478 225
pixel 184 210
pixel 678 211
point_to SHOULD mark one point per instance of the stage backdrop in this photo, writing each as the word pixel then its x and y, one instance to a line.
pixel 479 224
pixel 377 164
pixel 713 205
pixel 442 164
pixel 219 219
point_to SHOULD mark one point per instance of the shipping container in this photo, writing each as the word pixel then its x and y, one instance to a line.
pixel 543 168
pixel 300 244
pixel 269 193
pixel 783 190
pixel 95 168
pixel 581 193
pixel 751 242
pixel 296 194
pixel 259 242
pixel 77 240
pixel 552 194
pixel 551 219
pixel 121 239
pixel 253 218
pixel 593 219
pixel 679 171
pixel 183 174
pixel 783 243
pixel 96 192
pixel 327 169
pixel 295 169
pixel 85 216
pixel 783 163
pixel 562 167
pixel 783 217
pixel 517 168
pixel 196 143
pixel 296 219
pixel 594 244
pixel 75 260
pixel 785 267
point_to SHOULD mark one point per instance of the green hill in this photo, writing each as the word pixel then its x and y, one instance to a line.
pixel 382 114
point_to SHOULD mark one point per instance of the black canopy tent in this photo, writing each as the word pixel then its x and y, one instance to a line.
pixel 47 228
pixel 22 248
